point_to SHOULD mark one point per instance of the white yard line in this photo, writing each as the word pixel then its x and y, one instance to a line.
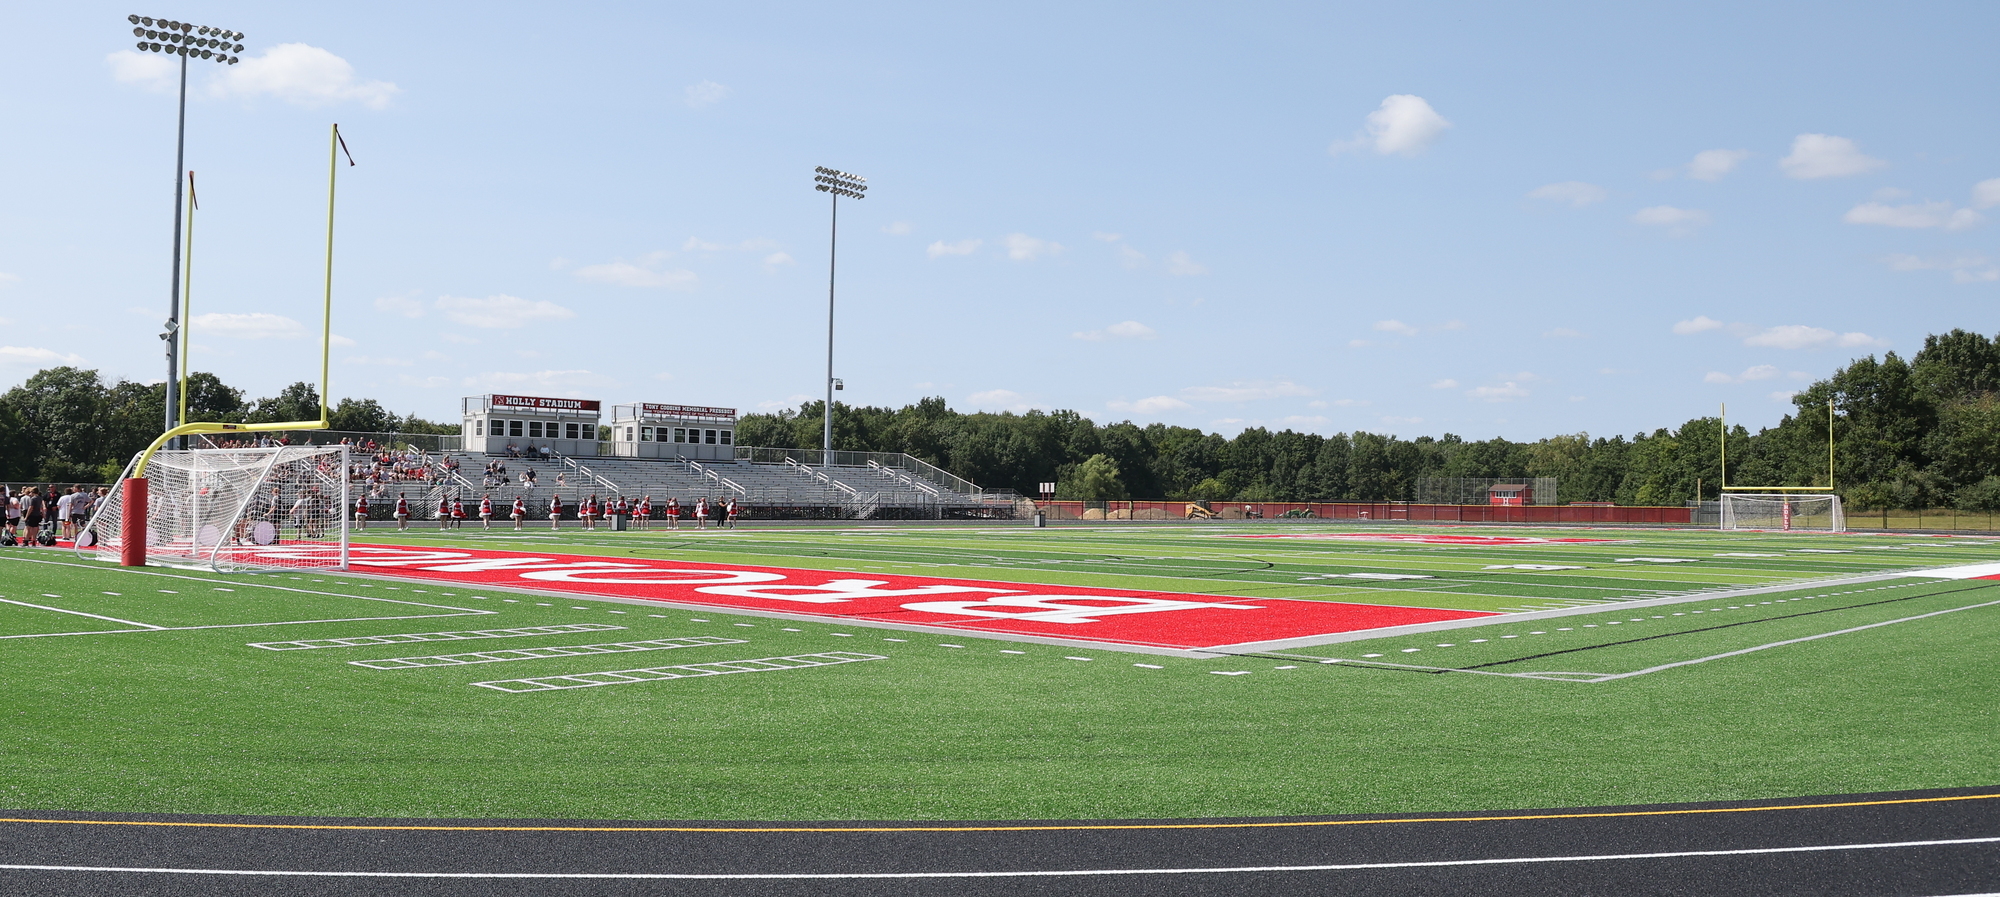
pixel 82 614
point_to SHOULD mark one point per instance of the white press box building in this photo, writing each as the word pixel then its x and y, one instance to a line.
pixel 570 426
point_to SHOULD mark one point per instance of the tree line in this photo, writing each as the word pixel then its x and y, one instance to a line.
pixel 1922 432
pixel 68 425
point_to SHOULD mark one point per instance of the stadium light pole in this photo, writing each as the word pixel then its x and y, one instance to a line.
pixel 853 186
pixel 187 42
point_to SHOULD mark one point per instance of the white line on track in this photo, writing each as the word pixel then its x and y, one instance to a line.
pixel 1026 873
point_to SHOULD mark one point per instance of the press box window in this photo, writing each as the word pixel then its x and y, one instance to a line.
pixel 513 428
pixel 479 428
pixel 711 437
pixel 725 437
pixel 570 431
pixel 645 434
pixel 680 434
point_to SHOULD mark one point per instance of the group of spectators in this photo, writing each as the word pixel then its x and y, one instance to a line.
pixel 42 514
pixel 543 452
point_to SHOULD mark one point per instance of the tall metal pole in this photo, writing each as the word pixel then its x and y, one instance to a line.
pixel 832 251
pixel 174 281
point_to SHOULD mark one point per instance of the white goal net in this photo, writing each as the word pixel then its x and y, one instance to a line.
pixel 1783 513
pixel 236 509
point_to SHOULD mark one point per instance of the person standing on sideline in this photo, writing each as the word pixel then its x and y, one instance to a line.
pixel 673 513
pixel 79 509
pixel 624 510
pixel 588 511
pixel 644 512
pixel 731 516
pixel 402 511
pixel 520 511
pixel 555 512
pixel 32 511
pixel 62 512
pixel 444 512
pixel 486 512
pixel 457 513
pixel 701 512
pixel 361 512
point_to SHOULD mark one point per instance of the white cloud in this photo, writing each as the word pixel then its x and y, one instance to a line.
pixel 1986 194
pixel 1676 221
pixel 256 325
pixel 1023 248
pixel 1784 395
pixel 1397 327
pixel 772 261
pixel 1964 269
pixel 1760 372
pixel 1505 392
pixel 1180 264
pixel 1131 258
pixel 406 306
pixel 897 228
pixel 645 274
pixel 152 71
pixel 1698 324
pixel 36 356
pixel 301 74
pixel 791 401
pixel 1712 165
pixel 1577 194
pixel 1801 336
pixel 1303 421
pixel 1404 125
pixel 1445 384
pixel 1826 156
pixel 1149 405
pixel 571 383
pixel 1563 333
pixel 1926 214
pixel 707 93
pixel 501 311
pixel 941 249
pixel 390 361
pixel 1890 193
pixel 1245 391
pixel 1120 330
pixel 697 244
pixel 423 382
pixel 1453 324
pixel 335 339
pixel 998 400
pixel 664 375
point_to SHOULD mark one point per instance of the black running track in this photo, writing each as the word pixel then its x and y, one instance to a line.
pixel 1909 843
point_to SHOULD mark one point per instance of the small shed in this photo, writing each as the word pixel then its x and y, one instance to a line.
pixel 1510 494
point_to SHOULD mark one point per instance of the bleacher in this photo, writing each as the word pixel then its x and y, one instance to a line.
pixel 781 489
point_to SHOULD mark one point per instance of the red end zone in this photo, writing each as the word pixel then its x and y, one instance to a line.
pixel 1107 616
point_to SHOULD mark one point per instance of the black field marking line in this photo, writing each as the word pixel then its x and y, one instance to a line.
pixel 1023 873
pixel 1019 827
pixel 1809 613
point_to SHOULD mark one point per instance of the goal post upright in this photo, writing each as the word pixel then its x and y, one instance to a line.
pixel 133 489
pixel 1829 487
pixel 1781 504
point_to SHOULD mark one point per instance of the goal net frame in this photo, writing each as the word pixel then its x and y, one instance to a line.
pixel 1801 512
pixel 233 510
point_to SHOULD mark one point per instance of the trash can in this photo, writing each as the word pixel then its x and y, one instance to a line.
pixel 618 522
pixel 1041 518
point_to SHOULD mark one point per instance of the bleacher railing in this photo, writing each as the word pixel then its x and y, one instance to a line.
pixel 915 467
pixel 585 472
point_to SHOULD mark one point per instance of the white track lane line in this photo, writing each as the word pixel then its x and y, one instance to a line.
pixel 1032 873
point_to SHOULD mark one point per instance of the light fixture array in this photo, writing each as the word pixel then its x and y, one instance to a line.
pixel 183 39
pixel 839 183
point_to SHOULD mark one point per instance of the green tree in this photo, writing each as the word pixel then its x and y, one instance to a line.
pixel 297 402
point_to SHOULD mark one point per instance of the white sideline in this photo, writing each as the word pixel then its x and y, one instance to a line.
pixel 82 614
pixel 1029 873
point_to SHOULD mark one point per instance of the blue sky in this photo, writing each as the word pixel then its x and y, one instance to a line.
pixel 1412 218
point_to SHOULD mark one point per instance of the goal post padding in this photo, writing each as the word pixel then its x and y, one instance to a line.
pixel 230 509
pixel 1811 513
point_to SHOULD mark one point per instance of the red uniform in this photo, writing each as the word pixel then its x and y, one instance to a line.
pixel 361 506
pixel 520 508
pixel 646 508
pixel 673 509
pixel 555 508
pixel 486 507
pixel 402 507
pixel 457 509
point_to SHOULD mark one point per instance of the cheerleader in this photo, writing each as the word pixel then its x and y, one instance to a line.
pixel 520 511
pixel 361 512
pixel 457 513
pixel 444 512
pixel 589 512
pixel 730 514
pixel 644 513
pixel 402 511
pixel 700 512
pixel 486 512
pixel 555 512
pixel 673 513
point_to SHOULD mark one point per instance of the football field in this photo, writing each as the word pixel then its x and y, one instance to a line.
pixel 923 672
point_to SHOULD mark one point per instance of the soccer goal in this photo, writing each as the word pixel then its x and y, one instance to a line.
pixel 1818 513
pixel 236 509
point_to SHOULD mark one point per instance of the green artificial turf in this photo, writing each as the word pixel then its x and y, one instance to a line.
pixel 197 721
